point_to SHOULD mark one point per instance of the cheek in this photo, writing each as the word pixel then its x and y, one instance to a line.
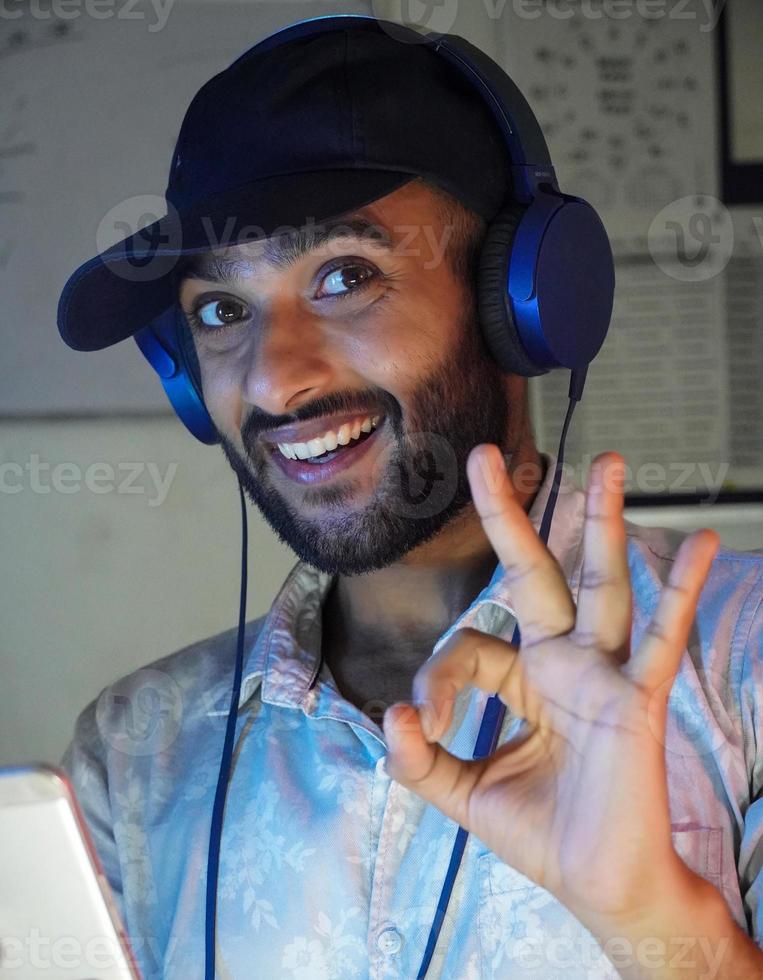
pixel 412 364
pixel 400 347
pixel 222 394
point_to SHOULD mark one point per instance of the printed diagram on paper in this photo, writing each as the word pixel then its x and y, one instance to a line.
pixel 629 109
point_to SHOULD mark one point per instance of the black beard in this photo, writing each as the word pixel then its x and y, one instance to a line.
pixel 424 485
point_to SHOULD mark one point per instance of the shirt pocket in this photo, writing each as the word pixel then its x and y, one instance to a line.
pixel 701 848
pixel 523 931
pixel 709 851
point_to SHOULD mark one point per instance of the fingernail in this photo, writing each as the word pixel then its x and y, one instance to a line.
pixel 427 721
pixel 618 474
pixel 492 469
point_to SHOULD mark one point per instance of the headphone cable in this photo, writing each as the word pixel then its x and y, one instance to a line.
pixel 216 827
pixel 486 739
pixel 495 709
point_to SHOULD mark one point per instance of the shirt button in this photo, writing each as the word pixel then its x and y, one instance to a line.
pixel 389 941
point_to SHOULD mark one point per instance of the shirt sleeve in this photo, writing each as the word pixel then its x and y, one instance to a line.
pixel 84 763
pixel 750 866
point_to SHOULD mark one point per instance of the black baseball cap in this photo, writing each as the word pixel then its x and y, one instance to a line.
pixel 304 132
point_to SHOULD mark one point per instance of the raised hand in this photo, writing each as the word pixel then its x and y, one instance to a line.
pixel 580 804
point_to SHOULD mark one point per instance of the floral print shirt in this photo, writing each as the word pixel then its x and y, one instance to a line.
pixel 329 869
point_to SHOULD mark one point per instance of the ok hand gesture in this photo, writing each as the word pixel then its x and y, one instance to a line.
pixel 580 805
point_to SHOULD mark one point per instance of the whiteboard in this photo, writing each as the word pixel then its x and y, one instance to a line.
pixel 90 110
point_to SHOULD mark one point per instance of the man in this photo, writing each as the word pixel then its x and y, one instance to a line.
pixel 612 833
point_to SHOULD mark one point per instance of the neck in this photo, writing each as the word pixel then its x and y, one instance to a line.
pixel 379 628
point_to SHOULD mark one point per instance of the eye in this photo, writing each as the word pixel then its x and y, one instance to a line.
pixel 219 313
pixel 350 277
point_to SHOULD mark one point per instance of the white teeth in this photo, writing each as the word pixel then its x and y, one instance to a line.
pixel 329 441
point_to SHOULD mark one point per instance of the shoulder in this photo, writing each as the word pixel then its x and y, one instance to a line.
pixel 735 577
pixel 141 712
pixel 730 609
pixel 202 667
pixel 204 664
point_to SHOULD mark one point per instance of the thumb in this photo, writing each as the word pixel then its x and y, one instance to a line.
pixel 409 756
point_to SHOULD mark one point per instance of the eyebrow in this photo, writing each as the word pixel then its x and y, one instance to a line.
pixel 281 252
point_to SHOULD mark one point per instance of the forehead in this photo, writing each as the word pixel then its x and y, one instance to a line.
pixel 286 247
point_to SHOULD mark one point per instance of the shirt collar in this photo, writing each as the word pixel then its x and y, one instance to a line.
pixel 285 657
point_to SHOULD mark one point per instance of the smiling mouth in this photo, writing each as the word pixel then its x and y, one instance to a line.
pixel 323 449
pixel 329 464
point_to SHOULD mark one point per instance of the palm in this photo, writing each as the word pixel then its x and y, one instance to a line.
pixel 578 799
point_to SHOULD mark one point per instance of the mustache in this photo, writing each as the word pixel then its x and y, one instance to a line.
pixel 257 422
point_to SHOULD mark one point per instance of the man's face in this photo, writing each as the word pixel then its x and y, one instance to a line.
pixel 312 340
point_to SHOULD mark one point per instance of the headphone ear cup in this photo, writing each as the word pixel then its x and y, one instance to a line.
pixel 497 321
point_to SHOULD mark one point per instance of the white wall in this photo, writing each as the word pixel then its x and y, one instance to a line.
pixel 95 584
pixel 739 525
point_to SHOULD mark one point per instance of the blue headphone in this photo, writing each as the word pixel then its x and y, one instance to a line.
pixel 546 279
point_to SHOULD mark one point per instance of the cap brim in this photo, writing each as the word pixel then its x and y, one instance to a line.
pixel 118 292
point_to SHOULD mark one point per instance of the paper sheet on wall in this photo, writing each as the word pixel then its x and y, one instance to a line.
pixel 90 108
pixel 629 110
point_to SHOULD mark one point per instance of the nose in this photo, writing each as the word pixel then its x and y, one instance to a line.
pixel 289 362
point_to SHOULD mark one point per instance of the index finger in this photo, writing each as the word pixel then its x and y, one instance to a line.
pixel 539 593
